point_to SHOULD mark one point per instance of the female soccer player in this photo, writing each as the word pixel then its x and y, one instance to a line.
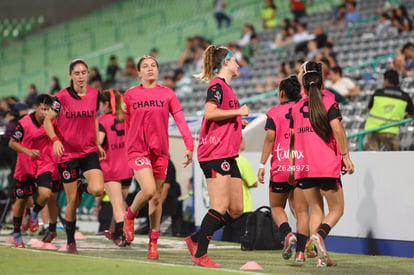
pixel 220 137
pixel 73 127
pixel 115 169
pixel 34 163
pixel 317 132
pixel 147 109
pixel 277 143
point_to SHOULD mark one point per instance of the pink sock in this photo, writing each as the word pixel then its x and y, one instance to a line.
pixel 130 215
pixel 153 236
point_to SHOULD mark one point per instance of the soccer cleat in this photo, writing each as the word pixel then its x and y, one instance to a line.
pixel 299 257
pixel 331 262
pixel 128 229
pixel 34 225
pixel 18 241
pixel 205 261
pixel 26 222
pixel 310 249
pixel 320 246
pixel 192 246
pixel 320 263
pixel 108 234
pixel 49 236
pixel 290 240
pixel 152 251
pixel 71 248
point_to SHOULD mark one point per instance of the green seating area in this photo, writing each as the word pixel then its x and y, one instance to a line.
pixel 126 28
pixel 15 28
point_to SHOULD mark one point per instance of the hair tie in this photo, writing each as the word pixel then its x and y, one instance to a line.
pixel 304 66
pixel 112 101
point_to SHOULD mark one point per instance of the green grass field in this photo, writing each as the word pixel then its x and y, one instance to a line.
pixel 100 256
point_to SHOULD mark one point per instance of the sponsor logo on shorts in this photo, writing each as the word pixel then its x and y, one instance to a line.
pixel 225 166
pixel 66 174
pixel 19 192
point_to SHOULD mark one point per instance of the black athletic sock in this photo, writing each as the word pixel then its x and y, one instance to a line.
pixel 301 243
pixel 28 211
pixel 224 220
pixel 210 223
pixel 70 231
pixel 17 223
pixel 284 230
pixel 324 230
pixel 118 230
pixel 52 227
pixel 37 208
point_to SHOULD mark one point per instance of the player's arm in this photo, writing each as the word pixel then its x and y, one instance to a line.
pixel 212 112
pixel 101 151
pixel 291 178
pixel 16 146
pixel 340 137
pixel 50 130
pixel 269 140
pixel 177 112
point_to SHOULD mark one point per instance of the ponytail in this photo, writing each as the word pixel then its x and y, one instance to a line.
pixel 213 58
pixel 312 82
pixel 116 100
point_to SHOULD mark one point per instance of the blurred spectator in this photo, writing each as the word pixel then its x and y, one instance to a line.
pixel 182 83
pixel 339 12
pixel 252 48
pixel 298 9
pixel 387 105
pixel 404 61
pixel 401 19
pixel 198 58
pixel 237 50
pixel 248 31
pixel 168 81
pixel 342 85
pixel 244 70
pixel 54 85
pixel 301 34
pixel 383 27
pixel 111 70
pixel 233 231
pixel 268 15
pixel 329 54
pixel 188 209
pixel 284 70
pixel 130 69
pixel 31 96
pixel 351 15
pixel 301 37
pixel 95 78
pixel 187 55
pixel 285 36
pixel 389 6
pixel 219 13
pixel 4 109
pixel 312 49
pixel 154 53
pixel 320 36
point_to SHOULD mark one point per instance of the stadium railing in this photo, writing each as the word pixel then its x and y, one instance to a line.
pixel 361 134
pixel 374 62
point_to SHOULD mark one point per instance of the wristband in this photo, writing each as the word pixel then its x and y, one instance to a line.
pixel 261 165
pixel 55 138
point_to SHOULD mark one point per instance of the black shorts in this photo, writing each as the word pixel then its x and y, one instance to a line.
pixel 45 180
pixel 71 170
pixel 126 182
pixel 226 166
pixel 24 189
pixel 280 187
pixel 323 183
